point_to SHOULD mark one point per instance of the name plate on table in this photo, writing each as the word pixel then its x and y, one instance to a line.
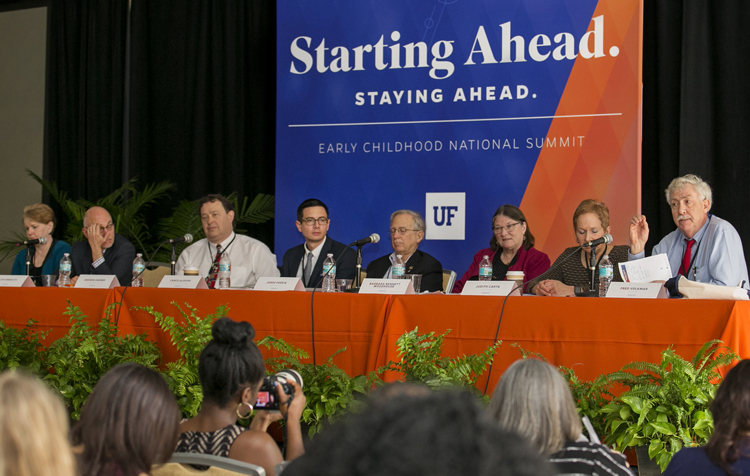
pixel 386 286
pixel 183 282
pixel 637 290
pixel 490 288
pixel 97 281
pixel 16 281
pixel 279 284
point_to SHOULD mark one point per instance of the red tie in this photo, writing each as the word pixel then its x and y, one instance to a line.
pixel 214 272
pixel 685 269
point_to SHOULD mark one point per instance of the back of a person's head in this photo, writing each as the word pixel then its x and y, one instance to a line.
pixel 33 429
pixel 129 423
pixel 731 413
pixel 229 361
pixel 533 399
pixel 436 434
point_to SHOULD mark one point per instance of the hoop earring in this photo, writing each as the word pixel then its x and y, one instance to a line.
pixel 249 412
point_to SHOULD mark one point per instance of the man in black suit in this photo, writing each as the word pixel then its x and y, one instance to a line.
pixel 306 260
pixel 407 230
pixel 104 252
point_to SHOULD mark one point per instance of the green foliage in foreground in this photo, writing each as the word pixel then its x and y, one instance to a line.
pixel 23 348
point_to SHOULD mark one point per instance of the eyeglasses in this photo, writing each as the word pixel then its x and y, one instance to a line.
pixel 106 229
pixel 508 228
pixel 399 231
pixel 310 221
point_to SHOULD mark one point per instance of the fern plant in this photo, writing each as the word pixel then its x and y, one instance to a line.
pixel 79 359
pixel 666 404
pixel 23 348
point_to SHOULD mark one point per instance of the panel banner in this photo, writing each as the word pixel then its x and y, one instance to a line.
pixel 452 108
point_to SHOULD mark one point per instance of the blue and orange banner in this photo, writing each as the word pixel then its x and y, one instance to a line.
pixel 453 108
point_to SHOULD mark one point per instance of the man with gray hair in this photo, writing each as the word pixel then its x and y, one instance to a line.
pixel 703 248
pixel 407 231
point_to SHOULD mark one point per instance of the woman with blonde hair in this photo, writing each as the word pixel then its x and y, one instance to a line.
pixel 43 258
pixel 33 429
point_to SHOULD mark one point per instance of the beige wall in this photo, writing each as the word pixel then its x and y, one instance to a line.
pixel 23 36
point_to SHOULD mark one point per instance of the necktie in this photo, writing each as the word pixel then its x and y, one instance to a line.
pixel 214 273
pixel 308 269
pixel 685 268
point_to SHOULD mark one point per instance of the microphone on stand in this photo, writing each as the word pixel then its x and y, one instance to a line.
pixel 39 241
pixel 374 238
pixel 188 238
pixel 604 239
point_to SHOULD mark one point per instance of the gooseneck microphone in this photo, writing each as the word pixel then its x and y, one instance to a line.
pixel 374 238
pixel 188 238
pixel 39 241
pixel 604 239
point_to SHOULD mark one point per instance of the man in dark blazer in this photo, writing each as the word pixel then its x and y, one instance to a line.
pixel 407 231
pixel 306 260
pixel 104 252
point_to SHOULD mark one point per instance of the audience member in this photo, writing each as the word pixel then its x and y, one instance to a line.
pixel 231 370
pixel 33 429
pixel 250 258
pixel 728 450
pixel 129 423
pixel 533 399
pixel 39 222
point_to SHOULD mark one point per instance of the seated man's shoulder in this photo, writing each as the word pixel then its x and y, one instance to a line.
pixel 430 260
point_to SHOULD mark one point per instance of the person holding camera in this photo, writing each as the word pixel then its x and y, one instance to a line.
pixel 231 372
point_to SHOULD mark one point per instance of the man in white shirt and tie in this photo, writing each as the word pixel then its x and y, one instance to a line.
pixel 250 258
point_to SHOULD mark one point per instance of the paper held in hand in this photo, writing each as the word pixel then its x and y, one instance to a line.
pixel 646 270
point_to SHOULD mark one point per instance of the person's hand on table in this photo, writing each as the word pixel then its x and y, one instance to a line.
pixel 553 287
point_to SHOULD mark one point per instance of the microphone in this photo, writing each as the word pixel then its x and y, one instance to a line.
pixel 39 241
pixel 374 238
pixel 188 238
pixel 604 239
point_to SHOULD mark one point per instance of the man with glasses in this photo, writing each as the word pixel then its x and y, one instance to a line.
pixel 407 230
pixel 251 259
pixel 306 260
pixel 104 252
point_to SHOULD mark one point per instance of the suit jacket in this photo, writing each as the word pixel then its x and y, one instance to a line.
pixel 118 260
pixel 345 265
pixel 418 263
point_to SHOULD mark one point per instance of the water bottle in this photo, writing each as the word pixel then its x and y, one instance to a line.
pixel 138 266
pixel 225 271
pixel 605 275
pixel 63 279
pixel 329 280
pixel 485 269
pixel 399 268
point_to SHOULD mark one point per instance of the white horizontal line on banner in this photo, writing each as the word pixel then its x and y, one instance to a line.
pixel 489 119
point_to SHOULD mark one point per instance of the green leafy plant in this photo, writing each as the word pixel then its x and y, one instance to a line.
pixel 421 361
pixel 189 337
pixel 79 359
pixel 666 404
pixel 328 389
pixel 23 348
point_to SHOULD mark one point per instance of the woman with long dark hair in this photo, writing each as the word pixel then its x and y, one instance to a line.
pixel 728 450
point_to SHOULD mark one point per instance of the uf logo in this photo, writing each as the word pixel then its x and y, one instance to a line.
pixel 446 214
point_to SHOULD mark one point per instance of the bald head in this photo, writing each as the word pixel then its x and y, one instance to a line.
pixel 96 215
pixel 98 227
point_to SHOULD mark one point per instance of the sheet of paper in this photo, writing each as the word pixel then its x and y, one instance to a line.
pixel 646 270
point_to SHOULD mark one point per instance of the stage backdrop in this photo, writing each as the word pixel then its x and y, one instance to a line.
pixel 453 108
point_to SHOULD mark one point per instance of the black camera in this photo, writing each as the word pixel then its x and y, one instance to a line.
pixel 268 399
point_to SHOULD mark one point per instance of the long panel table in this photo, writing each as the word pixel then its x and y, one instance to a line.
pixel 592 336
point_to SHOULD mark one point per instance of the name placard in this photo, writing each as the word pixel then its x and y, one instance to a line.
pixel 97 281
pixel 386 286
pixel 183 282
pixel 490 288
pixel 15 281
pixel 637 290
pixel 279 284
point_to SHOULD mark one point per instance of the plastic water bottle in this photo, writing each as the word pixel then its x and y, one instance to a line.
pixel 399 268
pixel 225 271
pixel 485 269
pixel 605 275
pixel 63 279
pixel 329 280
pixel 138 266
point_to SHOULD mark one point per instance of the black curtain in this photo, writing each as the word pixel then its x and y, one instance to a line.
pixel 696 106
pixel 84 96
pixel 202 108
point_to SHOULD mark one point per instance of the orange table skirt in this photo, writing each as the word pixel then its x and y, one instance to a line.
pixel 592 336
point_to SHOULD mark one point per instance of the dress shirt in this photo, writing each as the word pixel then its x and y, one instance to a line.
pixel 719 258
pixel 250 259
pixel 316 255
